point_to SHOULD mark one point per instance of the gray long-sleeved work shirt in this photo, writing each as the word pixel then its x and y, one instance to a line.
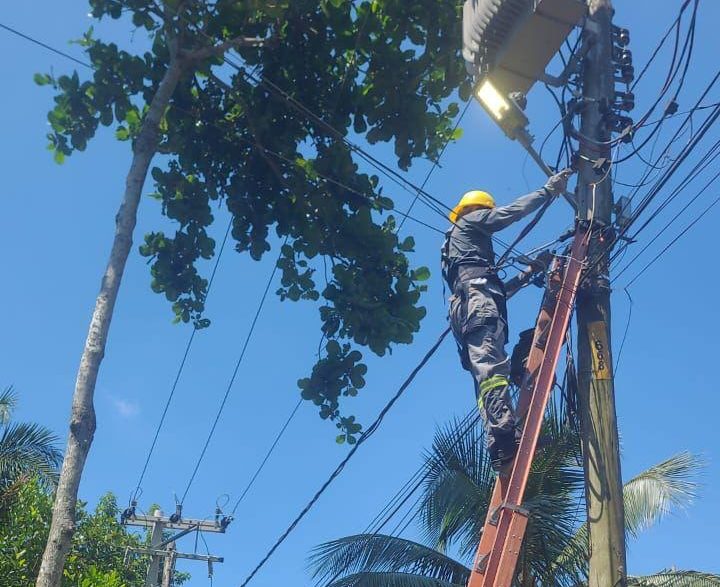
pixel 469 240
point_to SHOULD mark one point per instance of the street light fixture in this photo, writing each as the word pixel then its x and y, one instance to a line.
pixel 503 109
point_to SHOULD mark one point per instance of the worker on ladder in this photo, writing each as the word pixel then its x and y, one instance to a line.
pixel 478 313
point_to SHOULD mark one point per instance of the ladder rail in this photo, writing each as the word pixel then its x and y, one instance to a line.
pixel 534 360
pixel 495 566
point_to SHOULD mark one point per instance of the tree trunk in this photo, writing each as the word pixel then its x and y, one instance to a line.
pixel 82 419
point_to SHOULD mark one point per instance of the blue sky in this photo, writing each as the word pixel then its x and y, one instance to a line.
pixel 56 227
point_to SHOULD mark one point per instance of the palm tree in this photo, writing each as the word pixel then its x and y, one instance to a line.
pixel 26 450
pixel 458 482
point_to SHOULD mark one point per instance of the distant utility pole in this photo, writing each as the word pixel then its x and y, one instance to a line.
pixel 169 566
pixel 606 515
pixel 163 549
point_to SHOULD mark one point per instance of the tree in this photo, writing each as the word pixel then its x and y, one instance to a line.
pixel 458 485
pixel 382 70
pixel 26 450
pixel 97 555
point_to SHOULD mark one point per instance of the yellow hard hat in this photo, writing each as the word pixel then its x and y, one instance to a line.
pixel 472 198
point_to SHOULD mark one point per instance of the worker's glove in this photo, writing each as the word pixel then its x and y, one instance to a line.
pixel 557 184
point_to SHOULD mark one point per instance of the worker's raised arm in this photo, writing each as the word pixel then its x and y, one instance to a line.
pixel 501 217
pixel 497 219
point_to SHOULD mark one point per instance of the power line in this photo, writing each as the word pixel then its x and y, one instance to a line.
pixel 405 216
pixel 419 191
pixel 625 333
pixel 674 25
pixel 665 176
pixel 436 163
pixel 675 217
pixel 267 456
pixel 67 56
pixel 672 242
pixel 338 470
pixel 45 46
pixel 710 156
pixel 232 378
pixel 179 372
pixel 406 491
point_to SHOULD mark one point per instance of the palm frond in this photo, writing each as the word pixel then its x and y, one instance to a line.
pixel 379 553
pixel 652 494
pixel 29 449
pixel 673 578
pixel 8 402
pixel 648 497
pixel 391 580
pixel 458 485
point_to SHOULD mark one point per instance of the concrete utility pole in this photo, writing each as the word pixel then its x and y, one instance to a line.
pixel 163 550
pixel 603 481
pixel 169 567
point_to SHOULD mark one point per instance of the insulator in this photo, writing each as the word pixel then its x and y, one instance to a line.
pixel 624 101
pixel 622 56
pixel 621 36
pixel 626 73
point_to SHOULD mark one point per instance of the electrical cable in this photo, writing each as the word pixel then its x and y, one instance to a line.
pixel 624 338
pixel 699 167
pixel 408 489
pixel 672 242
pixel 44 46
pixel 179 372
pixel 338 470
pixel 232 378
pixel 436 162
pixel 656 51
pixel 662 181
pixel 686 182
pixel 710 156
pixel 267 456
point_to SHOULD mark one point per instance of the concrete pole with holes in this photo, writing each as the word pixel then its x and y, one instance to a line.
pixel 603 480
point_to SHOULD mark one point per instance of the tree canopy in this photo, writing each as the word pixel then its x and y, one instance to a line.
pixel 27 450
pixel 235 135
pixel 97 556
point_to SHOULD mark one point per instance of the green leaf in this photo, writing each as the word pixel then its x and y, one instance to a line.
pixel 122 133
pixel 42 79
pixel 408 244
pixel 421 274
pixel 340 439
